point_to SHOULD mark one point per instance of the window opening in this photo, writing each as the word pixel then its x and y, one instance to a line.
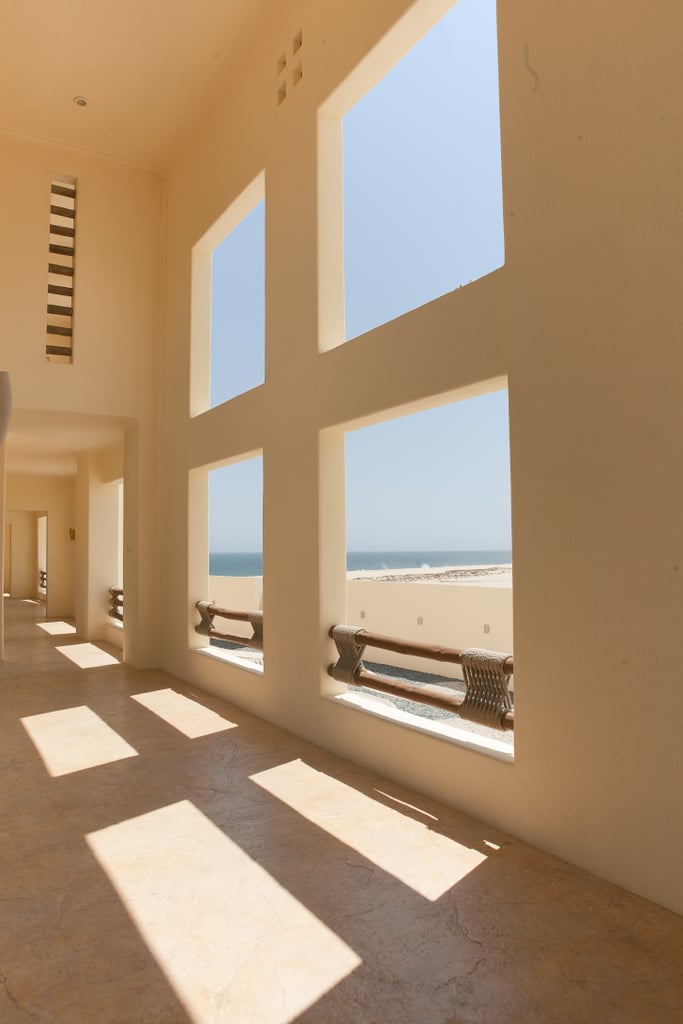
pixel 236 556
pixel 437 570
pixel 61 267
pixel 422 187
pixel 238 309
pixel 229 303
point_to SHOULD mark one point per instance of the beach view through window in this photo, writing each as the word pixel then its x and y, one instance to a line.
pixel 235 551
pixel 429 556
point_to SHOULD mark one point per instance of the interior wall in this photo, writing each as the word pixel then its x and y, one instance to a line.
pixel 581 322
pixel 98 533
pixel 6 539
pixel 56 497
pixel 142 525
pixel 24 553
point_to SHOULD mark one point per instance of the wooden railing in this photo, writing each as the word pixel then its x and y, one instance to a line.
pixel 210 611
pixel 116 603
pixel 349 667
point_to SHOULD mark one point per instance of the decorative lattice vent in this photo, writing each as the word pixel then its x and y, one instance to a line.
pixel 60 288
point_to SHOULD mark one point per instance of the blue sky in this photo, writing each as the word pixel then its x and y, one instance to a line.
pixel 422 181
pixel 437 480
pixel 236 506
pixel 422 216
pixel 238 311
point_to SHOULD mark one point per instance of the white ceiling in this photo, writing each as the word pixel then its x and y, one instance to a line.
pixel 147 68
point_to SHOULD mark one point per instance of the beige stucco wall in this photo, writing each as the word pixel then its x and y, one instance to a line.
pixel 117 282
pixel 24 553
pixel 581 320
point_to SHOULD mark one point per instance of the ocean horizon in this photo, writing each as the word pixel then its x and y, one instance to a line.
pixel 250 563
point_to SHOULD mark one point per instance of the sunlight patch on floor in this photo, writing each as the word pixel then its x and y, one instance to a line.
pixel 427 861
pixel 74 739
pixel 56 628
pixel 87 655
pixel 187 716
pixel 232 942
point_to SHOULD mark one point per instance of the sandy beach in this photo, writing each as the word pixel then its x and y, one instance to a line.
pixel 472 575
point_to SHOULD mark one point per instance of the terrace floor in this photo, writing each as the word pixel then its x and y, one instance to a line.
pixel 168 859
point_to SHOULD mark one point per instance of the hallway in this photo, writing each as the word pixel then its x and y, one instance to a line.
pixel 168 859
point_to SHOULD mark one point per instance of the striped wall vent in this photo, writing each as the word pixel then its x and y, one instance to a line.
pixel 60 267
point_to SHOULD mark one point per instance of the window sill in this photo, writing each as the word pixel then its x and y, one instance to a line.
pixel 451 734
pixel 230 658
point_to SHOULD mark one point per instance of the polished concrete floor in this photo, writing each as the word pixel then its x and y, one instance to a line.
pixel 168 859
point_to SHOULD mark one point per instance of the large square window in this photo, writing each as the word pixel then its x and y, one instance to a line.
pixel 422 188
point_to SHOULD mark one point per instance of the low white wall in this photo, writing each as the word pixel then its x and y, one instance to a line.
pixel 452 614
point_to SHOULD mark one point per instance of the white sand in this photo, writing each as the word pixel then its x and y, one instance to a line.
pixel 469 575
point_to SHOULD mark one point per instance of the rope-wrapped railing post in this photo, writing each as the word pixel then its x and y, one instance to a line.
pixel 206 624
pixel 116 603
pixel 487 697
pixel 256 620
pixel 350 660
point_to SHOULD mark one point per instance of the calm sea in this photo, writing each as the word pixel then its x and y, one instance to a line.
pixel 227 563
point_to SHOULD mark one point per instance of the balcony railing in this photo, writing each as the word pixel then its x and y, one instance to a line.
pixel 210 611
pixel 486 701
pixel 116 603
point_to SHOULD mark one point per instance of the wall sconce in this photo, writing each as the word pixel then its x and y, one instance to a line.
pixel 5 404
